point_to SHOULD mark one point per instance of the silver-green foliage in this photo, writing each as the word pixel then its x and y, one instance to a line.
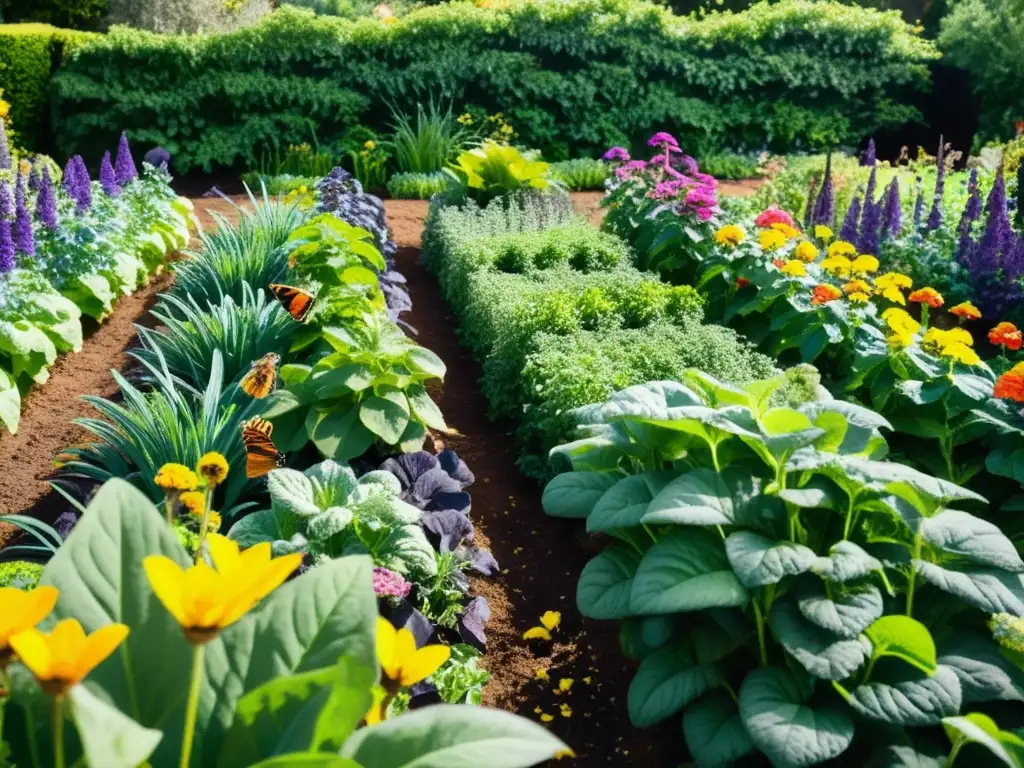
pixel 768 551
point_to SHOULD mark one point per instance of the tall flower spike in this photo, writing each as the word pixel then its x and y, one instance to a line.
pixel 812 202
pixel 24 240
pixel 891 214
pixel 69 180
pixel 825 207
pixel 108 179
pixel 6 204
pixel 972 210
pixel 848 232
pixel 124 167
pixel 1018 216
pixel 46 203
pixel 6 161
pixel 6 247
pixel 869 154
pixel 869 197
pixel 935 216
pixel 33 178
pixel 869 226
pixel 84 188
pixel 918 206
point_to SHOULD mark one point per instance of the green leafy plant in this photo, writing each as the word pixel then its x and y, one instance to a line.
pixel 428 141
pixel 582 174
pixel 810 575
pixel 494 169
pixel 417 186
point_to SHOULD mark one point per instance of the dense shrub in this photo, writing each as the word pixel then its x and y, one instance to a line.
pixel 73 14
pixel 28 54
pixel 568 76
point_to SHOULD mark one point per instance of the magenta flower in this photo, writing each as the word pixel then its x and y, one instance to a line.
pixel 706 179
pixel 773 215
pixel 705 213
pixel 701 197
pixel 665 140
pixel 390 584
pixel 616 154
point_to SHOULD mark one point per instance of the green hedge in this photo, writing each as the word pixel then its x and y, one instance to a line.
pixel 571 76
pixel 559 318
pixel 28 55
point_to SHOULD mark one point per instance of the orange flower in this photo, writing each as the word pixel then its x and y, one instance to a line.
pixel 741 282
pixel 928 296
pixel 824 293
pixel 966 310
pixel 1006 335
pixel 779 263
pixel 1010 386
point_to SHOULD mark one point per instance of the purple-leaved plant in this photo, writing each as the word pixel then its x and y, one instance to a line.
pixel 848 231
pixel 891 214
pixel 869 154
pixel 83 190
pixel 46 202
pixel 24 239
pixel 6 161
pixel 108 179
pixel 935 216
pixel 825 206
pixel 124 167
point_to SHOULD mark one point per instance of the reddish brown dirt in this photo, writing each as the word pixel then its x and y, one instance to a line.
pixel 541 559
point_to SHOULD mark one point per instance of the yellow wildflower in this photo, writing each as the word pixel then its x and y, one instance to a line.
pixel 894 279
pixel 900 320
pixel 961 353
pixel 213 521
pixel 837 265
pixel 806 251
pixel 465 119
pixel 856 286
pixel 823 233
pixel 194 502
pixel 794 268
pixel 858 297
pixel 842 248
pixel 63 657
pixel 542 674
pixel 20 611
pixel 564 685
pixel 369 144
pixel 865 264
pixel 790 233
pixel 771 239
pixel 176 477
pixel 546 718
pixel 401 661
pixel 213 468
pixel 565 710
pixel 730 236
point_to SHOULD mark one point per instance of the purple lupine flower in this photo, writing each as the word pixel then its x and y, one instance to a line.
pixel 84 186
pixel 869 225
pixel 6 204
pixel 24 240
pixel 869 197
pixel 869 154
pixel 390 584
pixel 935 216
pixel 46 203
pixel 848 231
pixel 108 180
pixel 124 167
pixel 6 247
pixel 918 205
pixel 33 178
pixel 66 523
pixel 972 210
pixel 812 201
pixel 998 236
pixel 616 154
pixel 825 205
pixel 891 214
pixel 70 178
pixel 6 161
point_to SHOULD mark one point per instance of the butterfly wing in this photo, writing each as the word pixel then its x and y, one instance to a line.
pixel 298 301
pixel 261 455
pixel 259 381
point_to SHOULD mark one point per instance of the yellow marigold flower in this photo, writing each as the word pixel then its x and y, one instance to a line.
pixel 213 468
pixel 794 268
pixel 961 353
pixel 369 144
pixel 856 286
pixel 823 233
pixel 893 294
pixel 203 600
pixel 176 477
pixel 66 655
pixel 401 662
pixel 806 251
pixel 966 310
pixel 213 521
pixel 859 297
pixel 900 320
pixel 730 236
pixel 194 502
pixel 865 264
pixel 20 611
pixel 1017 369
pixel 790 233
pixel 894 280
pixel 841 248
pixel 770 239
pixel 837 265
pixel 550 621
pixel 900 339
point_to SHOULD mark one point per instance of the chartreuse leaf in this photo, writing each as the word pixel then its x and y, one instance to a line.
pixel 977 728
pixel 605 585
pixel 758 560
pixel 574 494
pixel 685 571
pixel 780 723
pixel 847 613
pixel 667 681
pixel 714 731
pixel 449 736
pixel 903 638
pixel 822 654
pixel 905 756
pixel 109 737
pixel 625 503
pixel 911 699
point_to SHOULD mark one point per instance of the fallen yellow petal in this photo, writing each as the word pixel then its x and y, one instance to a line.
pixel 551 619
pixel 536 633
pixel 546 718
pixel 564 684
pixel 542 674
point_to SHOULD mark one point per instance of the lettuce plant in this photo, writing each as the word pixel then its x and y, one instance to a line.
pixel 783 586
pixel 494 169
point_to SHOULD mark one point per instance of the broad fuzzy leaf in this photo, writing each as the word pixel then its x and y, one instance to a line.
pixel 846 561
pixel 625 503
pixel 705 497
pixel 847 613
pixel 605 585
pixel 714 731
pixel 758 560
pixel 667 681
pixel 574 494
pixel 985 673
pixel 915 700
pixel 991 590
pixel 822 654
pixel 964 535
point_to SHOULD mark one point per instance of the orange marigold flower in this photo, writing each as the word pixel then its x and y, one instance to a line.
pixel 1010 386
pixel 857 286
pixel 824 293
pixel 928 296
pixel 1006 335
pixel 779 263
pixel 741 282
pixel 966 310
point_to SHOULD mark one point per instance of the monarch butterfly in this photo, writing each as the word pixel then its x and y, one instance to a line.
pixel 261 377
pixel 298 301
pixel 261 455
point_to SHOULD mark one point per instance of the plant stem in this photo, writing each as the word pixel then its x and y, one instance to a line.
pixel 714 458
pixel 192 708
pixel 760 632
pixel 913 575
pixel 169 510
pixel 957 746
pixel 58 730
pixel 207 501
pixel 849 519
pixel 732 693
pixel 650 533
pixel 946 446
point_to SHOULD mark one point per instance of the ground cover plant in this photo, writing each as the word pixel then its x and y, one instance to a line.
pixel 70 247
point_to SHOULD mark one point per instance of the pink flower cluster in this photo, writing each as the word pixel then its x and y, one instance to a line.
pixel 390 584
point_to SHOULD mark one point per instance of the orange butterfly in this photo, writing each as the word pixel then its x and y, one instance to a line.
pixel 261 455
pixel 260 379
pixel 298 301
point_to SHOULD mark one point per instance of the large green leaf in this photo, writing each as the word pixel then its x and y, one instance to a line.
pixel 985 673
pixel 386 415
pixel 667 681
pixel 714 730
pixel 685 571
pixel 705 497
pixel 903 638
pixel 846 561
pixel 846 613
pixel 964 535
pixel 780 723
pixel 574 494
pixel 10 402
pixel 977 728
pixel 338 432
pixel 991 590
pixel 913 699
pixel 109 738
pixel 449 736
pixel 758 560
pixel 821 653
pixel 625 503
pixel 603 591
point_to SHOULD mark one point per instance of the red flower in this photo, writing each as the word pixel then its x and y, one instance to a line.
pixel 741 282
pixel 1006 335
pixel 773 215
pixel 824 293
pixel 1010 386
pixel 779 263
